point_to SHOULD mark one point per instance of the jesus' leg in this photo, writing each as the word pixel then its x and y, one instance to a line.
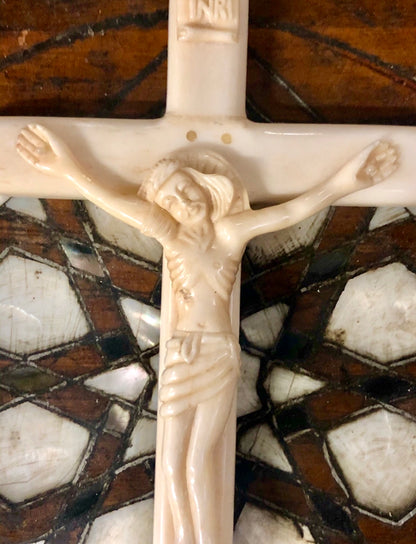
pixel 176 435
pixel 210 420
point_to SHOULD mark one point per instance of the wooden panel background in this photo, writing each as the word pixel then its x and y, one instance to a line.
pixel 344 61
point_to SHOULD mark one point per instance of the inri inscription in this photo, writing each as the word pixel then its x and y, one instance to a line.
pixel 208 20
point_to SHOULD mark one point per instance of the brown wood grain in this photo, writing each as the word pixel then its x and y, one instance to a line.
pixel 332 61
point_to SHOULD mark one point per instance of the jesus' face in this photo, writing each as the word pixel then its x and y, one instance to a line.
pixel 183 198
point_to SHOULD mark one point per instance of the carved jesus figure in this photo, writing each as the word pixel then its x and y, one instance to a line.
pixel 194 203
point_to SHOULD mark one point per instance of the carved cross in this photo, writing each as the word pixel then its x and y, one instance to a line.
pixel 201 166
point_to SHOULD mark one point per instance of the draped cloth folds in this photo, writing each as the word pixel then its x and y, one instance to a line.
pixel 198 366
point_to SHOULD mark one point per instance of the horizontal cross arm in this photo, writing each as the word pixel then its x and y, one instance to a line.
pixel 276 161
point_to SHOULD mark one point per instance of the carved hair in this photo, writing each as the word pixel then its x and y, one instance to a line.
pixel 210 171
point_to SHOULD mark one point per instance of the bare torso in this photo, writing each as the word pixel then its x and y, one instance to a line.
pixel 202 279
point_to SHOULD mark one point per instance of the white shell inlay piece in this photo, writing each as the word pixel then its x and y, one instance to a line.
pixel 142 439
pixel 261 443
pixel 284 385
pixel 126 382
pixel 144 321
pixel 118 418
pixel 376 314
pixel 263 328
pixel 131 524
pixel 81 259
pixel 268 247
pixel 124 236
pixel 247 398
pixel 38 308
pixel 377 455
pixel 385 215
pixel 39 451
pixel 261 526
pixel 28 206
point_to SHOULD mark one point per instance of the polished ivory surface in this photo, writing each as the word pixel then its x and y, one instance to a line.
pixel 196 206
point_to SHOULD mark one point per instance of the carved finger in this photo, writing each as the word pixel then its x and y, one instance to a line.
pixel 27 144
pixel 32 137
pixel 381 156
pixel 388 169
pixel 49 139
pixel 40 131
pixel 387 155
pixel 27 155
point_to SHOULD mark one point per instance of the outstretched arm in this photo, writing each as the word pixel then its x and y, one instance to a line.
pixel 369 167
pixel 48 153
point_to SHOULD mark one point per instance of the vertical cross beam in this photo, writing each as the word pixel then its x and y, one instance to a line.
pixel 207 64
pixel 207 58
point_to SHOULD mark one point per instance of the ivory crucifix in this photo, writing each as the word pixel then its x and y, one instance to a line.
pixel 200 167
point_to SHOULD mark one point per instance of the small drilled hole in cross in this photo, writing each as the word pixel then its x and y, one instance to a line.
pixel 191 136
pixel 226 138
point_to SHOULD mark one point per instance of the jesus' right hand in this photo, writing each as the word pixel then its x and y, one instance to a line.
pixel 46 152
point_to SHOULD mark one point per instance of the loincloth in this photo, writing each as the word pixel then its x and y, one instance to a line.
pixel 198 367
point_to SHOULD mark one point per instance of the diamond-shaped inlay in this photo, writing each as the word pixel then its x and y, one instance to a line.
pixel 28 379
pixel 38 308
pixel 284 385
pixel 39 451
pixel 376 314
pixel 262 328
pixel 82 256
pixel 260 442
pixel 376 454
pixel 118 418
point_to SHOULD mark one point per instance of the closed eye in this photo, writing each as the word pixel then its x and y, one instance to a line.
pixel 187 193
